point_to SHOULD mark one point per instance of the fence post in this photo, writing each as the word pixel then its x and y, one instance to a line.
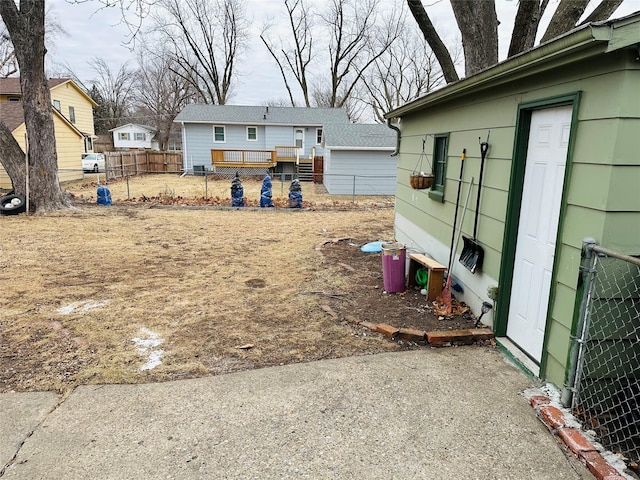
pixel 128 194
pixel 577 341
pixel 206 185
pixel 353 196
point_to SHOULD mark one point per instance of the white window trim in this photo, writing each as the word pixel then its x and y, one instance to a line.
pixel 319 136
pixel 143 139
pixel 57 105
pixel 252 139
pixel 224 134
pixel 121 136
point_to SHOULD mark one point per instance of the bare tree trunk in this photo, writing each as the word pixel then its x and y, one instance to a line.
pixel 434 40
pixel 603 11
pixel 565 18
pixel 26 27
pixel 478 23
pixel 12 158
pixel 526 25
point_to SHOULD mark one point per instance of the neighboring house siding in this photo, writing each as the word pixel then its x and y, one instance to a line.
pixel 199 138
pixel 601 194
pixel 69 96
pixel 132 142
pixel 69 148
pixel 368 172
pixel 278 136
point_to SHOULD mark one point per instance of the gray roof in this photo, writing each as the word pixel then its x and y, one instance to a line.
pixel 359 135
pixel 246 115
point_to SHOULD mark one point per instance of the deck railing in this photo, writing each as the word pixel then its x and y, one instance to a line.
pixel 255 158
pixel 243 158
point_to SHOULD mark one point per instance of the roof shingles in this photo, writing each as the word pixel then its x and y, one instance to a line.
pixel 250 115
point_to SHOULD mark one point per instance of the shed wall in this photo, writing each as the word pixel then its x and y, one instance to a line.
pixel 599 202
pixel 363 172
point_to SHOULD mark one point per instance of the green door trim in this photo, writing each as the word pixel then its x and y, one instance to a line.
pixel 514 201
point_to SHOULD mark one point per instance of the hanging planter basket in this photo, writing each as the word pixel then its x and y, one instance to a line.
pixel 420 181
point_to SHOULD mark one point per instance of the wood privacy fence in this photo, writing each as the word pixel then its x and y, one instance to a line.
pixel 124 164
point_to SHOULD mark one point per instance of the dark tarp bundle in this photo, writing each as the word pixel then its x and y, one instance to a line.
pixel 295 194
pixel 265 192
pixel 237 192
pixel 104 195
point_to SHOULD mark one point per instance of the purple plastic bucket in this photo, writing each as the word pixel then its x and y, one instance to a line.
pixel 393 266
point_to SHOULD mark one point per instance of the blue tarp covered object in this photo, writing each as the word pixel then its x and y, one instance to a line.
pixel 104 195
pixel 237 192
pixel 295 194
pixel 265 192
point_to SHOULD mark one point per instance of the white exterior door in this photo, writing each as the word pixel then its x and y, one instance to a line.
pixel 538 228
pixel 299 139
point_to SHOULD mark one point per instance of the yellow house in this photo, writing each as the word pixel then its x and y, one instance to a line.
pixel 72 119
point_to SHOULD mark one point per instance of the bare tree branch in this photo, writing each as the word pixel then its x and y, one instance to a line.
pixel 433 39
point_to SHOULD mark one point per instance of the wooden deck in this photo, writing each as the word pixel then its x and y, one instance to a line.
pixel 243 158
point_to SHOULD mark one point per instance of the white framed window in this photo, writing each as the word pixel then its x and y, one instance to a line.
pixel 72 115
pixel 56 104
pixel 123 135
pixel 252 134
pixel 219 134
pixel 318 136
pixel 139 136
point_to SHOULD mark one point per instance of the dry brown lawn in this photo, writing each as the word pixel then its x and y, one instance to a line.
pixel 96 294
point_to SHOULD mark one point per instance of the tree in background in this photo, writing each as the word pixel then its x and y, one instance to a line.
pixel 478 23
pixel 407 70
pixel 204 39
pixel 354 34
pixel 294 55
pixel 8 61
pixel 160 93
pixel 114 94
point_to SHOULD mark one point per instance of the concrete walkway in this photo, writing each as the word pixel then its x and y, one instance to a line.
pixel 452 413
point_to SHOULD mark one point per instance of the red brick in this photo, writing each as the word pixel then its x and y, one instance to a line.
pixel 573 439
pixel 369 325
pixel 538 400
pixel 441 338
pixel 599 466
pixel 387 330
pixel 552 416
pixel 412 335
pixel 482 334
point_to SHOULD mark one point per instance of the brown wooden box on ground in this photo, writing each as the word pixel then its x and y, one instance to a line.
pixel 436 274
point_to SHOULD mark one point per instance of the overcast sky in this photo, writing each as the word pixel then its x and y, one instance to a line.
pixel 93 32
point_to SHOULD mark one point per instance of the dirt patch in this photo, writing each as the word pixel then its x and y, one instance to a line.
pixel 368 302
pixel 132 294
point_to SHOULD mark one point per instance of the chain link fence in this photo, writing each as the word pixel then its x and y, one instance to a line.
pixel 605 380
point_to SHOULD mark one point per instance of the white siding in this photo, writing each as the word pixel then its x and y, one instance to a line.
pixel 370 172
pixel 132 142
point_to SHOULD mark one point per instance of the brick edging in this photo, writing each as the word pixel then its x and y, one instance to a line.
pixel 440 338
pixel 554 419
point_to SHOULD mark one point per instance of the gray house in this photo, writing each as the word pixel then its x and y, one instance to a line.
pixel 226 138
pixel 358 161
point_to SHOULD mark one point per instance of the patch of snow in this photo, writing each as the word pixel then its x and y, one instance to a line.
pixel 147 347
pixel 80 306
pixel 66 310
pixel 92 305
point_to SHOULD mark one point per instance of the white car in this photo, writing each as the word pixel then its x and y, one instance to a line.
pixel 93 162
